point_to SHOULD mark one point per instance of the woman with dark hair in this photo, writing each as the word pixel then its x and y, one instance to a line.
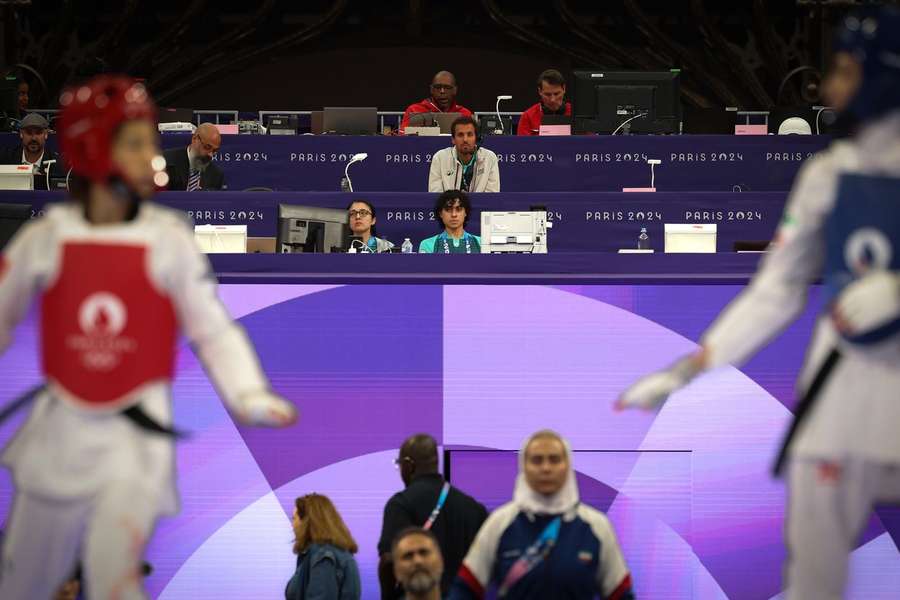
pixel 453 208
pixel 326 568
pixel 361 217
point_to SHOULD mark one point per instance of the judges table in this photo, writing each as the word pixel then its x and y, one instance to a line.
pixel 481 351
pixel 530 163
pixel 582 221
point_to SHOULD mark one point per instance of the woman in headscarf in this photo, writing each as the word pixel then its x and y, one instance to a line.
pixel 545 543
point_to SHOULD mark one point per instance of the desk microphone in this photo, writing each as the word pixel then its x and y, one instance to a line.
pixel 499 118
pixel 356 158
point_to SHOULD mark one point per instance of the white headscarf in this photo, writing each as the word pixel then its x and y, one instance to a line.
pixel 530 501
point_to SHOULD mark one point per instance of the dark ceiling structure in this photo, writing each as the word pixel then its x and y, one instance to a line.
pixel 746 53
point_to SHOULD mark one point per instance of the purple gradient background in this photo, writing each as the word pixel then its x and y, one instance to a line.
pixel 688 489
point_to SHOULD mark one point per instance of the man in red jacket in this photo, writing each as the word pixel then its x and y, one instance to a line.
pixel 443 99
pixel 552 92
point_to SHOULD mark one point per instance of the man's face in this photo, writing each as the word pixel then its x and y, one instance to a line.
pixel 453 216
pixel 133 152
pixel 443 91
pixel 552 95
pixel 361 219
pixel 204 145
pixel 546 465
pixel 843 81
pixel 33 139
pixel 418 564
pixel 23 96
pixel 464 139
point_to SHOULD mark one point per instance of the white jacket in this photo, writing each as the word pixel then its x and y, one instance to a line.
pixel 446 171
pixel 67 447
pixel 858 409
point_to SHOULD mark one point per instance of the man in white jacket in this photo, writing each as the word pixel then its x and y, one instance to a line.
pixel 841 224
pixel 465 165
pixel 118 278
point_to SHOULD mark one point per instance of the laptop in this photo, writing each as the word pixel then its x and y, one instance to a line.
pixel 350 120
pixel 445 120
pixel 555 125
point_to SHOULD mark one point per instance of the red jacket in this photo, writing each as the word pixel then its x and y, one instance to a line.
pixel 428 106
pixel 530 121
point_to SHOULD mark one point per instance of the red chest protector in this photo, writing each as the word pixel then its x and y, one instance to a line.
pixel 105 329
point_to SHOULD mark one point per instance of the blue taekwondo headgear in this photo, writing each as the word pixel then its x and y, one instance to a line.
pixel 873 38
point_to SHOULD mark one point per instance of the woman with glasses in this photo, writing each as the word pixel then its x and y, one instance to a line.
pixel 326 569
pixel 545 543
pixel 453 208
pixel 361 216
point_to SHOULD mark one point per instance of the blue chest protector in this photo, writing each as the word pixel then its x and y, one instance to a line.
pixel 863 233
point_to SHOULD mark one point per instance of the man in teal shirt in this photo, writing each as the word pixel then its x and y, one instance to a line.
pixel 453 209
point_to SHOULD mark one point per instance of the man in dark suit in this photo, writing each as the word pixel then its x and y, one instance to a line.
pixel 191 169
pixel 32 150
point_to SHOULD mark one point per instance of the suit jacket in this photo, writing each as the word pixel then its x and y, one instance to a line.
pixel 179 169
pixel 13 156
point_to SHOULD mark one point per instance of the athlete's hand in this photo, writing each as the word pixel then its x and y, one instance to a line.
pixel 266 409
pixel 868 303
pixel 651 391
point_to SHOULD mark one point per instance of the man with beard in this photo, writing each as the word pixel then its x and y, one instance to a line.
pixel 33 151
pixel 193 170
pixel 418 564
pixel 465 165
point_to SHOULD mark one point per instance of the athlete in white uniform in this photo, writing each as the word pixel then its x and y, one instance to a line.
pixel 118 279
pixel 841 223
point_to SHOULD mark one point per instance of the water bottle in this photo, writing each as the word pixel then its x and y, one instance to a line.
pixel 643 240
pixel 345 184
pixel 407 247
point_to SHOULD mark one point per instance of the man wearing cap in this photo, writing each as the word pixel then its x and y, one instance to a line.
pixel 33 150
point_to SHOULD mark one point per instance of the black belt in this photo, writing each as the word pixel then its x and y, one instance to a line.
pixel 135 414
pixel 805 405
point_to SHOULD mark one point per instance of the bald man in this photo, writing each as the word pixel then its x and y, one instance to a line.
pixel 442 99
pixel 193 169
pixel 430 502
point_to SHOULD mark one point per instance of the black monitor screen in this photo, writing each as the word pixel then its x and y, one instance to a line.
pixel 626 102
pixel 311 229
pixel 12 216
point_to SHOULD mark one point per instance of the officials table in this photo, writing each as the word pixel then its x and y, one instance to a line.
pixel 582 221
pixel 533 163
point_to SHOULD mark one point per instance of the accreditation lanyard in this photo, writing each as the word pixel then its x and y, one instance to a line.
pixel 534 555
pixel 437 507
pixel 445 239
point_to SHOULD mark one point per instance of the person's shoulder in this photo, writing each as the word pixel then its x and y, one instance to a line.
pixel 533 109
pixel 168 218
pixel 485 152
pixel 468 500
pixel 443 152
pixel 464 111
pixel 172 152
pixel 11 156
pixel 596 520
pixel 419 106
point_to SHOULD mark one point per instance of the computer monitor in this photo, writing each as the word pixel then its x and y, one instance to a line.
pixel 350 120
pixel 626 101
pixel 311 229
pixel 12 216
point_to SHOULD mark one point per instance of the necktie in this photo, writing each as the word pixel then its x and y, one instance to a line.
pixel 194 181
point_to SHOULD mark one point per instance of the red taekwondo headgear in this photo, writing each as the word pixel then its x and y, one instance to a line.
pixel 91 113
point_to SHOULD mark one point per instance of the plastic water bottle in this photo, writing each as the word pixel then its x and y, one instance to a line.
pixel 643 240
pixel 407 247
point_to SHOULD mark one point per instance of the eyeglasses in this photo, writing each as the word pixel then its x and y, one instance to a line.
pixel 442 87
pixel 207 147
pixel 361 213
